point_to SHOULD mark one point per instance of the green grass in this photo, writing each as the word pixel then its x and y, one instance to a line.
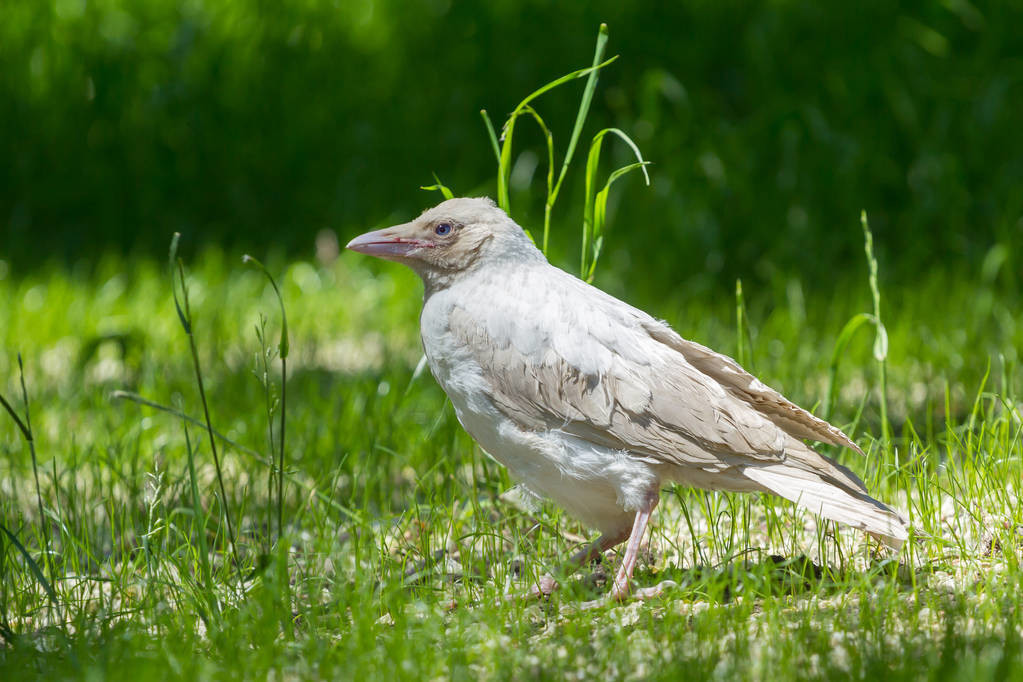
pixel 156 523
pixel 398 545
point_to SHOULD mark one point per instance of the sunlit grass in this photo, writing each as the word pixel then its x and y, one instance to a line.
pixel 156 523
pixel 399 544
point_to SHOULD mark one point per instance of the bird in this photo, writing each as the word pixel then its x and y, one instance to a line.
pixel 595 404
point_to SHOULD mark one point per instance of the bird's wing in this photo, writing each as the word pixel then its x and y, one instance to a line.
pixel 561 354
pixel 741 384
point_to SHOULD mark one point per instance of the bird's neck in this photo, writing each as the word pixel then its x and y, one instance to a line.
pixel 499 258
pixel 437 280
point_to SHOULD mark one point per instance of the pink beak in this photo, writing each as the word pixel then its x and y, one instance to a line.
pixel 387 243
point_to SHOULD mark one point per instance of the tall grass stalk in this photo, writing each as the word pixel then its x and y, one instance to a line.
pixel 26 431
pixel 199 525
pixel 881 336
pixel 743 332
pixel 595 203
pixel 523 108
pixel 264 358
pixel 838 352
pixel 256 455
pixel 184 310
pixel 744 355
pixel 880 345
pixel 33 566
pixel 283 347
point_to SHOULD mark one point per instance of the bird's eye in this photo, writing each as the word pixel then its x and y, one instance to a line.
pixel 442 229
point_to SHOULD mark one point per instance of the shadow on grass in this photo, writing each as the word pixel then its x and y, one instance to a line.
pixel 772 576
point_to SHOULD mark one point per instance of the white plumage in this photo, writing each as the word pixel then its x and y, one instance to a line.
pixel 593 403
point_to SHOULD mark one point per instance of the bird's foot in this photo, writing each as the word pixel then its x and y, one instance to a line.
pixel 619 596
pixel 654 591
pixel 619 592
pixel 543 588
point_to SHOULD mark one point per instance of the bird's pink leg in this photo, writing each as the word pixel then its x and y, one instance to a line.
pixel 624 577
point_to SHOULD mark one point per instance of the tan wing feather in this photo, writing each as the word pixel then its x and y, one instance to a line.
pixel 728 374
pixel 743 385
pixel 667 410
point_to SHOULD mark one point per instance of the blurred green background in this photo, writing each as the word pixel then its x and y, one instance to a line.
pixel 255 125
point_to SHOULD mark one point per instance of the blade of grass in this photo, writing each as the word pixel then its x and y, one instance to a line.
pixel 881 338
pixel 504 165
pixel 584 105
pixel 199 519
pixel 185 315
pixel 491 134
pixel 549 142
pixel 26 431
pixel 438 186
pixel 283 348
pixel 742 329
pixel 595 203
pixel 264 358
pixel 600 212
pixel 32 566
pixel 838 351
pixel 243 449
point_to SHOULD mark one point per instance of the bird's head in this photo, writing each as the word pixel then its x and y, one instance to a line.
pixel 451 238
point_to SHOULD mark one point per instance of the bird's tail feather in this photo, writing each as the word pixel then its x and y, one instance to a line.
pixel 839 503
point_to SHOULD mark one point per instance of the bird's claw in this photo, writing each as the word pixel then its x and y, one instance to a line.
pixel 619 596
pixel 544 588
pixel 654 591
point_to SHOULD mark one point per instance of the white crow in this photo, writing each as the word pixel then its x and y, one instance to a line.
pixel 595 404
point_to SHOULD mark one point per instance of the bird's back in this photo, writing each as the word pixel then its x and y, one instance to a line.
pixel 556 352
